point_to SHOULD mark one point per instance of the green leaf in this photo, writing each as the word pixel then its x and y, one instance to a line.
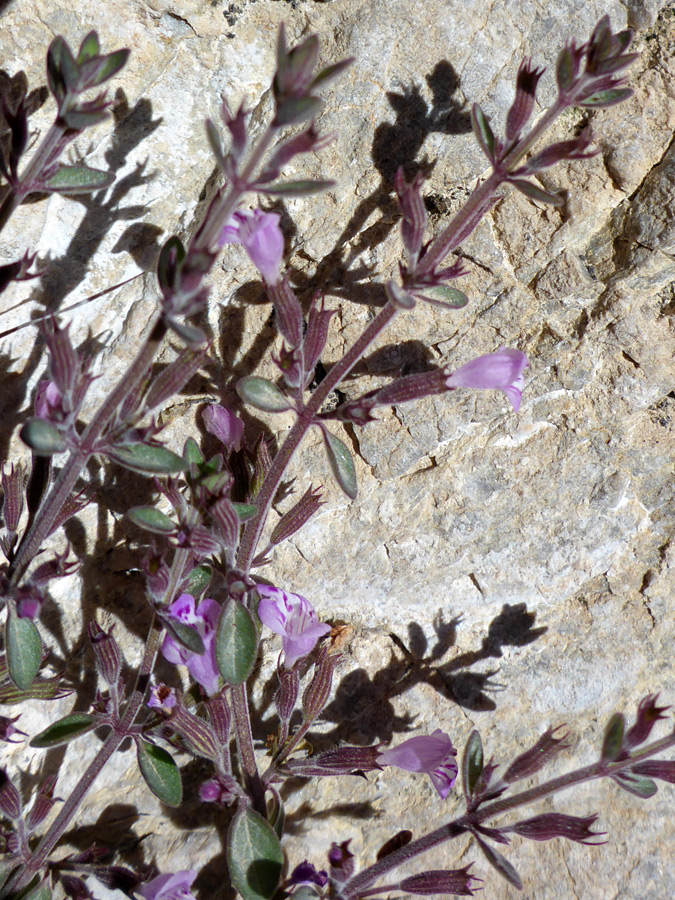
pixel 54 77
pixel 150 518
pixel 296 110
pixel 341 463
pixel 613 740
pixel 78 119
pixel 192 453
pixel 147 459
pixel 330 73
pixel 171 259
pixel 236 643
pixel 103 68
pixel 483 132
pixel 472 762
pixel 262 394
pixel 501 864
pixel 42 437
pixel 160 772
pixel 65 730
pixel 213 137
pixel 536 193
pixel 88 48
pixel 442 295
pixel 564 70
pixel 636 784
pixel 245 510
pixel 254 856
pixel 41 891
pixel 297 188
pixel 277 816
pixel 187 636
pixel 607 98
pixel 198 580
pixel 24 650
pixel 77 180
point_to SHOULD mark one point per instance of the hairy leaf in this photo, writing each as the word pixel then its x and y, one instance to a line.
pixel 64 730
pixel 236 643
pixel 160 772
pixel 254 856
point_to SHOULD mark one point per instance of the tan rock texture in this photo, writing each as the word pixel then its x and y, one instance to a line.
pixel 501 571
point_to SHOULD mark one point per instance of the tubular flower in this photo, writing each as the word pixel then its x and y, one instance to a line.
pixel 432 753
pixel 261 237
pixel 203 620
pixel 501 371
pixel 294 618
pixel 174 886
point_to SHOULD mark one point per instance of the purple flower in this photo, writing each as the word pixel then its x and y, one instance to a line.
pixel 7 730
pixel 218 790
pixel 162 697
pixel 294 618
pixel 223 424
pixel 203 620
pixel 170 887
pixel 431 753
pixel 306 874
pixel 501 371
pixel 261 236
pixel 48 401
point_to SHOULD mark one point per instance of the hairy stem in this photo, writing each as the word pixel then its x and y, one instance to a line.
pixel 242 724
pixel 459 826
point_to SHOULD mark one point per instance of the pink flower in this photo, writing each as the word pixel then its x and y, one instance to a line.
pixel 294 618
pixel 48 400
pixel 501 371
pixel 432 753
pixel 170 887
pixel 261 236
pixel 203 620
pixel 223 424
pixel 162 697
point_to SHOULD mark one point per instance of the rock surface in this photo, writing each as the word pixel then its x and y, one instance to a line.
pixel 523 562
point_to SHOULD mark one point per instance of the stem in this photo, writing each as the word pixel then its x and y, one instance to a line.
pixel 356 885
pixel 270 485
pixel 67 478
pixel 242 724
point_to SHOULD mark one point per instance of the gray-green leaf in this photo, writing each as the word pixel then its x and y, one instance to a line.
pixel 64 730
pixel 150 518
pixel 43 438
pixel 236 643
pixel 254 856
pixel 24 650
pixel 341 463
pixel 147 459
pixel 472 763
pixel 77 180
pixel 160 772
pixel 262 394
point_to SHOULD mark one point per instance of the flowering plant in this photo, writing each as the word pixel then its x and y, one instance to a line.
pixel 211 518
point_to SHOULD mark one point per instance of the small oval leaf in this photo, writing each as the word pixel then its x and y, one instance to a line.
pixel 501 864
pixel 42 437
pixel 607 98
pixel 147 459
pixel 236 643
pixel 483 132
pixel 245 510
pixel 24 650
pixel 66 729
pixel 535 193
pixel 262 394
pixel 186 635
pixel 613 740
pixel 341 463
pixel 254 856
pixel 198 580
pixel 191 452
pixel 160 772
pixel 442 295
pixel 151 519
pixel 642 787
pixel 296 188
pixel 472 762
pixel 77 180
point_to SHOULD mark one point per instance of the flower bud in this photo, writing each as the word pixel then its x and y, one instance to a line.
pixel 106 652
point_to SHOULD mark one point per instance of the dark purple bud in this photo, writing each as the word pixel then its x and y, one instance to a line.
pixel 306 873
pixel 12 503
pixel 64 363
pixel 10 799
pixel 236 125
pixel 648 714
pixel 551 825
pixel 224 425
pixel 219 712
pixel 222 790
pixel 106 652
pixel 42 804
pixel 7 730
pixel 157 576
pixel 575 149
pixel 523 104
pixel 197 733
pixel 317 692
pixel 343 761
pixel 412 387
pixel 341 862
pixel 74 887
pixel 227 521
pixel 318 322
pixel 441 881
pixel 289 363
pixel 29 600
pixel 56 567
pixel 288 310
pixel 119 878
pixel 297 516
pixel 287 693
pixel 174 377
pixel 663 769
pixel 537 756
pixel 414 214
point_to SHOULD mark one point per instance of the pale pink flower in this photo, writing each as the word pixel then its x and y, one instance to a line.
pixel 501 371
pixel 431 753
pixel 294 618
pixel 261 237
